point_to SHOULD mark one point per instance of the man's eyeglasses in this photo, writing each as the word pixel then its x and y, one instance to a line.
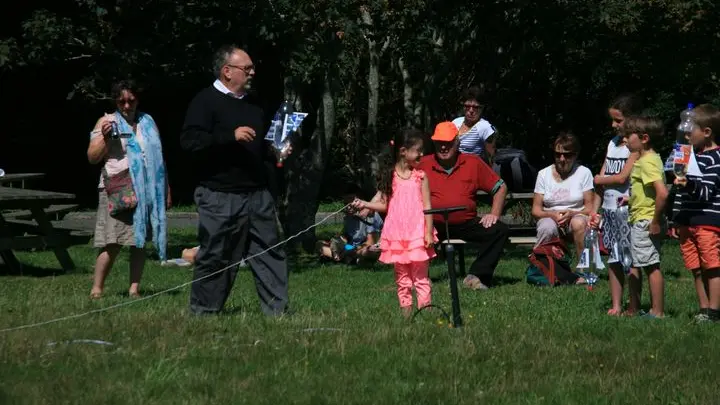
pixel 247 69
pixel 566 155
pixel 469 107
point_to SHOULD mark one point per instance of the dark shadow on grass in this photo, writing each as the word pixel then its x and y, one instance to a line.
pixel 32 271
pixel 669 313
pixel 444 276
pixel 145 293
pixel 232 311
pixel 499 281
pixel 516 252
pixel 301 263
pixel 674 273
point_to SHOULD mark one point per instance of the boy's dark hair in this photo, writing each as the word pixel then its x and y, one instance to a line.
pixel 652 126
pixel 628 104
pixel 708 116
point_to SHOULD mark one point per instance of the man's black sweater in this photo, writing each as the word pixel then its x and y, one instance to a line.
pixel 221 163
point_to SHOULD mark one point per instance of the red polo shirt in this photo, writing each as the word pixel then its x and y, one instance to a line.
pixel 459 187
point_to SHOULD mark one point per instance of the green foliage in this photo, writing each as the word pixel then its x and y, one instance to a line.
pixel 545 65
pixel 8 53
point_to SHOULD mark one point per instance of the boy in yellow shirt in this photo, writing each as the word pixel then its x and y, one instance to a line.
pixel 648 195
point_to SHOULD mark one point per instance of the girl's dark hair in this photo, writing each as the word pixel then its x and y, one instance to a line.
pixel 128 84
pixel 628 104
pixel 405 139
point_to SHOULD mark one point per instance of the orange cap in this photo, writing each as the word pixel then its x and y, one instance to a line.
pixel 445 132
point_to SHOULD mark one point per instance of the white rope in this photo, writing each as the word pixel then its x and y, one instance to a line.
pixel 126 303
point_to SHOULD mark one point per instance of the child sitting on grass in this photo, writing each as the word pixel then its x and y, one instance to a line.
pixel 360 235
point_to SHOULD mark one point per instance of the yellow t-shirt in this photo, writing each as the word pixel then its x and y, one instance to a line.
pixel 647 170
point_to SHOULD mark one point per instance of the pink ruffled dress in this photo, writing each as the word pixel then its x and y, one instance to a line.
pixel 402 239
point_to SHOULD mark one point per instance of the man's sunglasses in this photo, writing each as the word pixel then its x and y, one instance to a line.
pixel 566 155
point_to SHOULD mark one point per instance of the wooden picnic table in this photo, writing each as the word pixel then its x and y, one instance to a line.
pixel 42 232
pixel 15 177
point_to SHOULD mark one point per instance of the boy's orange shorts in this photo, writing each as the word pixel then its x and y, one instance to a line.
pixel 700 247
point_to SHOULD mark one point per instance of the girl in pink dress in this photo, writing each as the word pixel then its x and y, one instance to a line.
pixel 408 235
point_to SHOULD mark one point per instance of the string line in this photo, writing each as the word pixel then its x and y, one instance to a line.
pixel 145 298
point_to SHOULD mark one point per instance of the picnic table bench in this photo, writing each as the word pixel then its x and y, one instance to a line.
pixel 521 227
pixel 32 228
pixel 56 211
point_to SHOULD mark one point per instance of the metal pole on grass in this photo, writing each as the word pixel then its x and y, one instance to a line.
pixel 450 252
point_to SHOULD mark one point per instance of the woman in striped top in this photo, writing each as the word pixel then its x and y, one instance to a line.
pixel 476 133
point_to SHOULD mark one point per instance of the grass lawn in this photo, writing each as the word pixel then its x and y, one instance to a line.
pixel 520 344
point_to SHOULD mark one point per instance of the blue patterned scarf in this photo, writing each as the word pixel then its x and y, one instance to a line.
pixel 149 181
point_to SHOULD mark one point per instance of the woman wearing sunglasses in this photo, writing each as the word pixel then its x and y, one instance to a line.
pixel 476 134
pixel 563 197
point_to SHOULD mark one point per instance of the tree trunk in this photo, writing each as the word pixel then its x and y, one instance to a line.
pixel 306 176
pixel 373 79
pixel 375 52
pixel 410 109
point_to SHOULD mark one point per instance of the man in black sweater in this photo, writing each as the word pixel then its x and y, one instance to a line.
pixel 224 133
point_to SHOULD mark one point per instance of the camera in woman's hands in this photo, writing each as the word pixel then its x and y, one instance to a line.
pixel 114 131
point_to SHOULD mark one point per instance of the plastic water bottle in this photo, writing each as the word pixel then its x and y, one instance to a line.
pixel 682 150
pixel 624 253
pixel 280 141
pixel 590 253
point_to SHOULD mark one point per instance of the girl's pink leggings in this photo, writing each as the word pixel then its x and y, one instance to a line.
pixel 409 275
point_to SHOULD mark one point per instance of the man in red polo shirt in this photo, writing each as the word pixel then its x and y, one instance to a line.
pixel 455 178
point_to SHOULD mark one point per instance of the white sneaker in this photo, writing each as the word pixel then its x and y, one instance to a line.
pixel 176 262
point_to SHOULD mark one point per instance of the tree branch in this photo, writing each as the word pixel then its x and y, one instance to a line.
pixel 83 56
pixel 385 45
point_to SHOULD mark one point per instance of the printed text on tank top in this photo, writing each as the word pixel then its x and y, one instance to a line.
pixel 614 166
pixel 615 160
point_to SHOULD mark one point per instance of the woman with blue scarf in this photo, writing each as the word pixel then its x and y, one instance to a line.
pixel 133 188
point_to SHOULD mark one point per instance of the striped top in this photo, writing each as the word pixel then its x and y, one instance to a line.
pixel 698 203
pixel 473 141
